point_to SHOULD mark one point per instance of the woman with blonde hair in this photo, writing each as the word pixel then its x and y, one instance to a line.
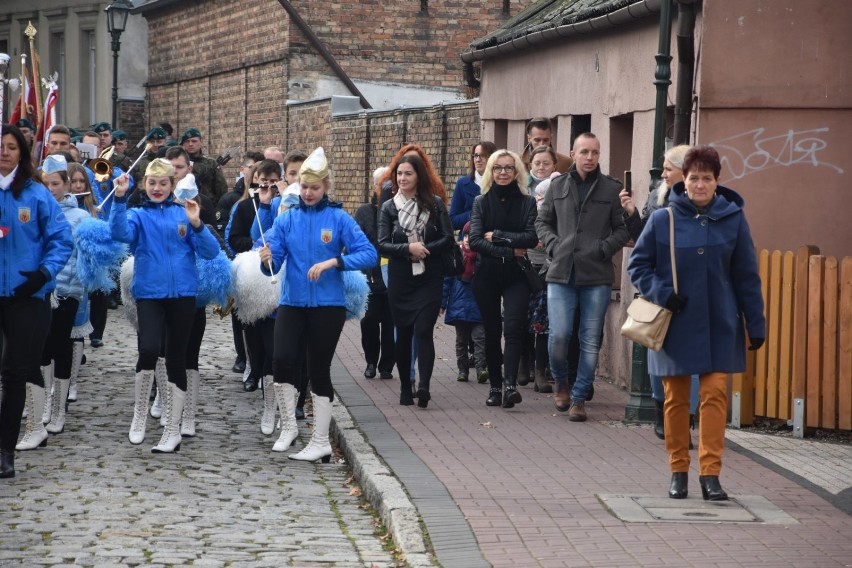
pixel 502 228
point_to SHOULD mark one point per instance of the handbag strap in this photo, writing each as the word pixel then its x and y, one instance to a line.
pixel 672 247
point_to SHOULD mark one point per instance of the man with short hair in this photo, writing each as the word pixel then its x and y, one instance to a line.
pixel 581 226
pixel 208 176
pixel 59 139
pixel 540 133
pixel 104 132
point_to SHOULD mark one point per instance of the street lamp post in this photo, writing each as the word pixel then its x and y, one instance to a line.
pixel 117 13
pixel 4 65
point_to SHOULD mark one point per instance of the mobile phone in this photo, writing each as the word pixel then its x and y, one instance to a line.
pixel 628 182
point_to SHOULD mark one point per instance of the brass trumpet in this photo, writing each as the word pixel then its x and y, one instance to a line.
pixel 102 166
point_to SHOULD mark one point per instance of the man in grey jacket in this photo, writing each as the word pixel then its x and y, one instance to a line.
pixel 581 226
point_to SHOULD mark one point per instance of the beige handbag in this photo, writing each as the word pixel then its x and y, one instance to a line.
pixel 647 323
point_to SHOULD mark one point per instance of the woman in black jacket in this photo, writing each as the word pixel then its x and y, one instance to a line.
pixel 502 227
pixel 414 230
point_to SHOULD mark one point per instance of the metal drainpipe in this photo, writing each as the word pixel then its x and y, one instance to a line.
pixel 323 51
pixel 685 70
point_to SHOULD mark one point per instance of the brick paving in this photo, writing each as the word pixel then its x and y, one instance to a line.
pixel 527 480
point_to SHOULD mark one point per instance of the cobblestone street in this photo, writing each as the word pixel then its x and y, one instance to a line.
pixel 91 498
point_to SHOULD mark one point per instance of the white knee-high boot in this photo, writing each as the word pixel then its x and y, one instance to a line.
pixel 47 373
pixel 170 441
pixel 319 447
pixel 267 419
pixel 35 435
pixel 162 390
pixel 76 362
pixel 285 395
pixel 142 391
pixel 57 418
pixel 187 423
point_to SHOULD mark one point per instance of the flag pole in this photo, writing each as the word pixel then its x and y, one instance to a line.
pixel 31 32
pixel 24 81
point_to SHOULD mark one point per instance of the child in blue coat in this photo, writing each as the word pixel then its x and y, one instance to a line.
pixel 460 310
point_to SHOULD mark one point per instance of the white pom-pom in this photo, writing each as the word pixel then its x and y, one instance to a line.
pixel 255 296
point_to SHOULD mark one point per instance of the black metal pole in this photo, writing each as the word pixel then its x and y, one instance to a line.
pixel 116 45
pixel 640 406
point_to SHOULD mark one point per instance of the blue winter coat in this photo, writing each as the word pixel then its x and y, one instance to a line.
pixel 164 245
pixel 303 236
pixel 716 272
pixel 68 285
pixel 462 204
pixel 459 302
pixel 36 236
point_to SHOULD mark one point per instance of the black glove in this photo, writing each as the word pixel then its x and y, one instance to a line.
pixel 755 343
pixel 675 303
pixel 35 280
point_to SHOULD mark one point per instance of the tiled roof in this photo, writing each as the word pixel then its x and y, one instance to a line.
pixel 548 15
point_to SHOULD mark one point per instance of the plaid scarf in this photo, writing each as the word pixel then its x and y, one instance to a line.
pixel 413 221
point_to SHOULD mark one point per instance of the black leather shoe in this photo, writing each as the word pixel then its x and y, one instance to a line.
pixel 239 367
pixel 7 464
pixel 405 399
pixel 386 375
pixel 423 398
pixel 711 490
pixel 495 397
pixel 678 489
pixel 96 343
pixel 370 371
pixel 659 420
pixel 251 384
pixel 511 396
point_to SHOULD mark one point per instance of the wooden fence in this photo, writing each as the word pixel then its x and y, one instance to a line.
pixel 804 370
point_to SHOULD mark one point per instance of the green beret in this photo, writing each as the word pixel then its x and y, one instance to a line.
pixel 25 123
pixel 190 133
pixel 157 133
pixel 101 127
pixel 119 135
pixel 75 133
pixel 75 139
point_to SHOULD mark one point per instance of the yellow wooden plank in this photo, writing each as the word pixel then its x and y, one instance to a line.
pixel 785 358
pixel 844 366
pixel 760 359
pixel 800 320
pixel 816 274
pixel 829 346
pixel 773 334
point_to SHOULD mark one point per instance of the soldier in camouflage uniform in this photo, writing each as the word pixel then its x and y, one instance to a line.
pixel 119 156
pixel 208 175
pixel 156 139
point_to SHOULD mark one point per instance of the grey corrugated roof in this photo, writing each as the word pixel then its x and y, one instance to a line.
pixel 548 19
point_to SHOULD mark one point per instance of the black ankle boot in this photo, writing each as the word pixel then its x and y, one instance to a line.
pixel 423 397
pixel 711 490
pixel 511 396
pixel 251 384
pixel 659 420
pixel 7 464
pixel 495 397
pixel 678 488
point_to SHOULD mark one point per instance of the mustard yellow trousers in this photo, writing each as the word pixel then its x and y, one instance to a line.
pixel 713 411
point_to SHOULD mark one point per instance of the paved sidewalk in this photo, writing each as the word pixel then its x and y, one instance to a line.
pixel 90 498
pixel 527 481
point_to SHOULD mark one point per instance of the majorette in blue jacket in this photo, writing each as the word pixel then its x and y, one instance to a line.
pixel 303 236
pixel 35 236
pixel 164 245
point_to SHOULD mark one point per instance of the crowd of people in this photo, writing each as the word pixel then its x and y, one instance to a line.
pixel 518 262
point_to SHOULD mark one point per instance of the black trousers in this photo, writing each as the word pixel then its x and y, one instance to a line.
pixel 98 302
pixel 423 330
pixel 24 324
pixel 239 340
pixel 59 345
pixel 503 297
pixel 320 330
pixel 259 344
pixel 196 335
pixel 377 334
pixel 177 315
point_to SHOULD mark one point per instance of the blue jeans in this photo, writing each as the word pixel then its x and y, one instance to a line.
pixel 563 300
pixel 657 392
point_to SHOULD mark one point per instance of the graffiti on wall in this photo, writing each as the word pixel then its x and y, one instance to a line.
pixel 756 151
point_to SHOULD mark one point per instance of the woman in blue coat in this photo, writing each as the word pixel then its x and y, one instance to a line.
pixel 468 187
pixel 164 238
pixel 35 244
pixel 311 238
pixel 718 300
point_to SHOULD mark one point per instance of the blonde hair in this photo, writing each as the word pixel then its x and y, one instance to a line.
pixel 675 156
pixel 521 175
